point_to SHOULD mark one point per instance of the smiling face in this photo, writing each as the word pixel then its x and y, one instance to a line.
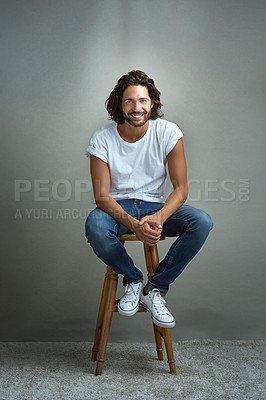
pixel 136 105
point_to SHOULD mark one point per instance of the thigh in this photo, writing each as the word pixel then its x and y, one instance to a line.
pixel 100 223
pixel 184 218
pixel 148 208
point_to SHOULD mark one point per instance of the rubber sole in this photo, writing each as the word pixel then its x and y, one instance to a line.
pixel 127 313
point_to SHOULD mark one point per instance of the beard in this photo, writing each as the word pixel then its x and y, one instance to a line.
pixel 137 124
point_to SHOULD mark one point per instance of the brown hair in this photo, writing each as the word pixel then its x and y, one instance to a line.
pixel 133 78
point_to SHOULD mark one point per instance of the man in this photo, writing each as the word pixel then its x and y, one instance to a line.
pixel 128 168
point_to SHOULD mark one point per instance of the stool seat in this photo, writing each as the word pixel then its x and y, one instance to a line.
pixel 108 305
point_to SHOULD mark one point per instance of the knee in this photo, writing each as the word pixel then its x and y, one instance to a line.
pixel 100 229
pixel 205 222
pixel 200 222
pixel 93 227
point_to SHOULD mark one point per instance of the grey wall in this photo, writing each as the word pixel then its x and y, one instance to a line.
pixel 59 61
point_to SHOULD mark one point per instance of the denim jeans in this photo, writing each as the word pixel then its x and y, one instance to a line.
pixel 190 224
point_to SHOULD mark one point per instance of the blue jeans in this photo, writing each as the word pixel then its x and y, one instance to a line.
pixel 190 224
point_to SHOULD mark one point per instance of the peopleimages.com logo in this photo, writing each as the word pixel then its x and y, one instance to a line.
pixel 64 190
pixel 215 190
pixel 46 190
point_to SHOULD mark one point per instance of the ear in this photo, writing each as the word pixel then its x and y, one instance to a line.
pixel 152 103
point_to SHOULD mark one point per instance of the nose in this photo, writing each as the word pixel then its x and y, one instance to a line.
pixel 136 106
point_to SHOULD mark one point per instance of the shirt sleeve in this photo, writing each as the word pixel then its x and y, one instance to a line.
pixel 174 135
pixel 97 147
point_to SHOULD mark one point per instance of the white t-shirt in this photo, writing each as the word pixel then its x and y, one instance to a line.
pixel 137 170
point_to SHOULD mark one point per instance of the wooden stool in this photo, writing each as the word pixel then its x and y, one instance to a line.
pixel 108 305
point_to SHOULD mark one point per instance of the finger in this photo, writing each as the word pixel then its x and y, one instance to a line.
pixel 143 220
pixel 151 239
pixel 154 224
pixel 153 233
pixel 151 243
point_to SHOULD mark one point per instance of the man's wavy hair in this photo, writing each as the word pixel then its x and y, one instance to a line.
pixel 133 78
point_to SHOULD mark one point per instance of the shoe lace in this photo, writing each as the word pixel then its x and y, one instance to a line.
pixel 159 303
pixel 130 293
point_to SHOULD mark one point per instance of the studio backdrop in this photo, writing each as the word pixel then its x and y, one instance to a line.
pixel 59 62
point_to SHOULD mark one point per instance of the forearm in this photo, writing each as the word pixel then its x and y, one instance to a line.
pixel 111 207
pixel 172 203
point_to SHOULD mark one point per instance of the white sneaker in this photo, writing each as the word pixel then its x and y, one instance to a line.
pixel 129 303
pixel 154 302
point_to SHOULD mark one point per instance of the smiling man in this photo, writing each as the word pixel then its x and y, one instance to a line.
pixel 128 161
pixel 136 105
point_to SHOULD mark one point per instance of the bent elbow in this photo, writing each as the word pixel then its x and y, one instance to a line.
pixel 185 193
pixel 182 193
pixel 101 200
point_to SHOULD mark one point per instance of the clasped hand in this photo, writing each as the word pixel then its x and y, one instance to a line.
pixel 149 229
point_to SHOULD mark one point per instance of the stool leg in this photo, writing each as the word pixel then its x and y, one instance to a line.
pixel 107 319
pixel 148 252
pixel 169 349
pixel 158 341
pixel 101 311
